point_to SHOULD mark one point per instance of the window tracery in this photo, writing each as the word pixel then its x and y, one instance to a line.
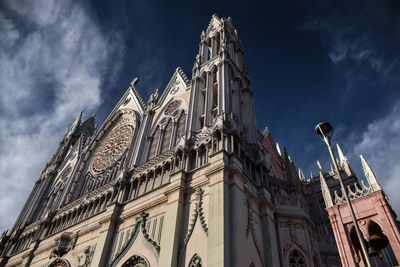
pixel 59 263
pixel 181 126
pixel 168 130
pixel 195 261
pixel 296 259
pixel 136 261
pixel 112 147
pixel 167 136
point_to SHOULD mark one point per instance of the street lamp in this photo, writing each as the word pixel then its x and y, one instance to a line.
pixel 325 131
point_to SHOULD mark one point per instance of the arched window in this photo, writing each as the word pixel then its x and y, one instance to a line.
pixel 136 261
pixel 296 259
pixel 195 261
pixel 154 143
pixel 167 136
pixel 214 108
pixel 181 126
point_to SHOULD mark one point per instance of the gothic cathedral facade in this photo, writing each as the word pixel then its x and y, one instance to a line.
pixel 187 179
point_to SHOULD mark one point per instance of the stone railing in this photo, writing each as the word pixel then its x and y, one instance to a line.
pixel 358 192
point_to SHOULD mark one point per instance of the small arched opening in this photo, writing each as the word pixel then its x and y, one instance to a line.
pixel 296 259
pixel 136 261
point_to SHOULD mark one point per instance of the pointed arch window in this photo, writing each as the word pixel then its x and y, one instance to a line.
pixel 154 143
pixel 181 126
pixel 195 261
pixel 296 259
pixel 167 136
pixel 214 109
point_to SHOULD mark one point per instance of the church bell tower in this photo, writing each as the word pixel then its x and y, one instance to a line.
pixel 221 84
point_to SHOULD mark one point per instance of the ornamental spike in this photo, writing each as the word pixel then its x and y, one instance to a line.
pixel 342 158
pixel 369 174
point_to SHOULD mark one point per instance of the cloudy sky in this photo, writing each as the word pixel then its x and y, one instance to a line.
pixel 336 61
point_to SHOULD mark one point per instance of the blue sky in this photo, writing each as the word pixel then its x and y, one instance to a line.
pixel 336 61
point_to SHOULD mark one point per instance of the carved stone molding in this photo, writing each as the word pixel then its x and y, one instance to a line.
pixel 111 148
pixel 197 213
pixel 63 244
pixel 136 261
pixel 84 256
pixel 250 228
pixel 141 220
pixel 59 263
pixel 195 261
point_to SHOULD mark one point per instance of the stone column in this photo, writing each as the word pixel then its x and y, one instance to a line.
pixel 344 249
pixel 104 240
pixel 270 243
pixel 218 231
pixel 172 222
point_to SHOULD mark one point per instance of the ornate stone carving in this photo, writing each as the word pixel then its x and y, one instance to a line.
pixel 111 148
pixel 173 106
pixel 59 263
pixel 174 87
pixel 197 213
pixel 65 173
pixel 135 261
pixel 141 220
pixel 62 245
pixel 84 257
pixel 250 228
pixel 195 261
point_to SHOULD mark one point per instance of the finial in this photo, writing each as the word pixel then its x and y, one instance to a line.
pixel 369 174
pixel 301 175
pixel 134 81
pixel 325 191
pixel 319 166
pixel 332 171
pixel 342 158
pixel 278 149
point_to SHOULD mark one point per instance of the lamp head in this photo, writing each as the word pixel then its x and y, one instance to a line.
pixel 324 129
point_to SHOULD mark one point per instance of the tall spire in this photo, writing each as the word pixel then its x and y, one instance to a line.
pixel 319 167
pixel 369 174
pixel 342 158
pixel 325 191
pixel 343 162
pixel 278 149
pixel 301 175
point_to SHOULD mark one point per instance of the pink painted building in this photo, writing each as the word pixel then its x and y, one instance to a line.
pixel 376 219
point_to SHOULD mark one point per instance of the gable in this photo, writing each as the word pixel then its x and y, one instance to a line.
pixel 177 86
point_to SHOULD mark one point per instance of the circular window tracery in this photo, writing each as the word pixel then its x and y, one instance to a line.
pixel 172 107
pixel 112 147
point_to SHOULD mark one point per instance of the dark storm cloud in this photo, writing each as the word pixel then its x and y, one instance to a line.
pixel 309 61
pixel 53 59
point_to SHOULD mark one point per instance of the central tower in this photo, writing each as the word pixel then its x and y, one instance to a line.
pixel 220 83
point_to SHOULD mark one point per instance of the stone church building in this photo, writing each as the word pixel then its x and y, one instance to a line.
pixel 187 179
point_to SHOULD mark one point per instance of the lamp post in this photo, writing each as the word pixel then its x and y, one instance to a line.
pixel 325 131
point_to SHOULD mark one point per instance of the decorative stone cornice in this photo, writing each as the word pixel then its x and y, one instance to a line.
pixel 154 161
